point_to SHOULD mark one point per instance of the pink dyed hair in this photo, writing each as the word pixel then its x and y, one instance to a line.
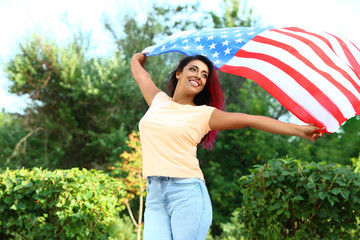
pixel 211 95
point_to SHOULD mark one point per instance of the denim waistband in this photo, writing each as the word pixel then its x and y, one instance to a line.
pixel 150 179
pixel 158 179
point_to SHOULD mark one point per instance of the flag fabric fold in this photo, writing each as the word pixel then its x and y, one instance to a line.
pixel 313 74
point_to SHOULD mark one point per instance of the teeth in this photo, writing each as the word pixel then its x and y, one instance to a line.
pixel 194 83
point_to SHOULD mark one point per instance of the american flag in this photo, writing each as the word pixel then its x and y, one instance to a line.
pixel 314 74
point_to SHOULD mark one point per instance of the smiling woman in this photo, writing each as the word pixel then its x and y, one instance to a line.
pixel 178 205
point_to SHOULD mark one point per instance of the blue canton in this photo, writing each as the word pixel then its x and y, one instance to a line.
pixel 219 45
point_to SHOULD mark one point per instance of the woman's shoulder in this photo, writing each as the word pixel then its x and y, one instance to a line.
pixel 160 97
pixel 205 109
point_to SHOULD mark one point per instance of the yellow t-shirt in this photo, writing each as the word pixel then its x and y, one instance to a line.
pixel 170 133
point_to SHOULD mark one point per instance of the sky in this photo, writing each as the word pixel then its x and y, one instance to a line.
pixel 19 19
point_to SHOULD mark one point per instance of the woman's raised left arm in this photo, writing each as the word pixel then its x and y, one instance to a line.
pixel 221 120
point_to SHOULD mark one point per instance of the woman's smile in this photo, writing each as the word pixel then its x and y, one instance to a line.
pixel 194 83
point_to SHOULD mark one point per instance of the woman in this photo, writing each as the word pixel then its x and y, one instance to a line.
pixel 178 205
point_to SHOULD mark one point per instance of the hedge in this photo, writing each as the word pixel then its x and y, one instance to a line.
pixel 289 199
pixel 60 204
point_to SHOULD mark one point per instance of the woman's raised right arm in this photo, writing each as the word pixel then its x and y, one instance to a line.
pixel 143 78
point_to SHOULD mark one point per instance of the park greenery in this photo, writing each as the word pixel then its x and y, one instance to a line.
pixel 84 114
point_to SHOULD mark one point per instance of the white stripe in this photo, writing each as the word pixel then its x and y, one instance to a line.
pixel 340 52
pixel 289 86
pixel 354 50
pixel 335 95
pixel 327 51
pixel 336 46
pixel 309 54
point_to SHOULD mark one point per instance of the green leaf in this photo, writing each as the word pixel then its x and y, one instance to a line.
pixel 287 214
pixel 298 198
pixel 275 206
pixel 310 185
pixel 89 205
pixel 331 200
pixel 335 191
pixel 322 195
pixel 279 211
pixel 9 200
pixel 345 194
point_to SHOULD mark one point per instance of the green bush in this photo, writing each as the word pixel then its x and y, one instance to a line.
pixel 124 229
pixel 60 204
pixel 289 199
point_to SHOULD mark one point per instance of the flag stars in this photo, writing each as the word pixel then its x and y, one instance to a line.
pixel 217 62
pixel 185 40
pixel 239 40
pixel 187 47
pixel 227 51
pixel 226 42
pixel 224 36
pixel 215 55
pixel 210 37
pixel 212 46
pixel 251 33
pixel 200 47
pixel 197 39
pixel 174 46
pixel 238 35
pixel 163 48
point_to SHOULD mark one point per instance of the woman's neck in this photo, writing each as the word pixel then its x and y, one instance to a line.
pixel 184 100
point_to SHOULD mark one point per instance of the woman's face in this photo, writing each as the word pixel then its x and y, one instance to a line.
pixel 193 76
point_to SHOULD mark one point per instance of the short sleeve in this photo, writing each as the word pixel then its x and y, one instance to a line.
pixel 160 97
pixel 207 114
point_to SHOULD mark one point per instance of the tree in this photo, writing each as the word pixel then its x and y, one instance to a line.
pixel 81 104
pixel 18 143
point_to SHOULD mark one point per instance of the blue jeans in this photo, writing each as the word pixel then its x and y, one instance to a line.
pixel 176 209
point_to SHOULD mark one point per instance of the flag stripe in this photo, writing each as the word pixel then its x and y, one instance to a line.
pixel 350 57
pixel 296 77
pixel 322 79
pixel 342 50
pixel 308 111
pixel 355 100
pixel 352 54
pixel 345 54
pixel 327 54
pixel 355 52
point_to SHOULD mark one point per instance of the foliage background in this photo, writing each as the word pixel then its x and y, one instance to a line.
pixel 84 107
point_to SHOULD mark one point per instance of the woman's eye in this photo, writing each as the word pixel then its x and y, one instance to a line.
pixel 204 76
pixel 192 69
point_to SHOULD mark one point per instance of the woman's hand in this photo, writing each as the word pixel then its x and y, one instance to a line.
pixel 311 132
pixel 140 57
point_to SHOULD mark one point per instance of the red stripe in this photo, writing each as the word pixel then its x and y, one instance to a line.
pixel 322 98
pixel 355 65
pixel 320 52
pixel 275 91
pixel 355 102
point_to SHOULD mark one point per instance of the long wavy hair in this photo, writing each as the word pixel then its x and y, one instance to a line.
pixel 211 95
